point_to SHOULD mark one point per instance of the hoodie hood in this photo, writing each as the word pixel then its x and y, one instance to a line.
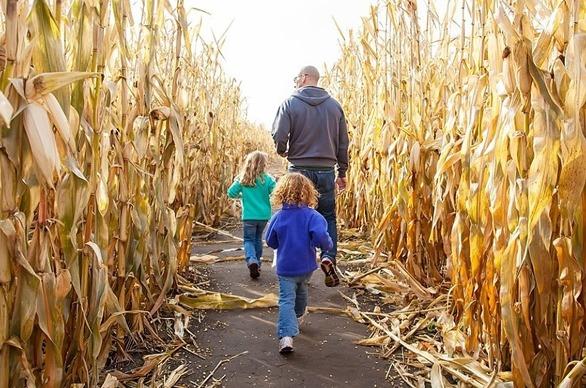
pixel 311 95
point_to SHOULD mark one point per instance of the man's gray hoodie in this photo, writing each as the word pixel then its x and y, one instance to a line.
pixel 311 128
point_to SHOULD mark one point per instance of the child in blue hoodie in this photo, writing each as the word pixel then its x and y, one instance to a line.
pixel 295 232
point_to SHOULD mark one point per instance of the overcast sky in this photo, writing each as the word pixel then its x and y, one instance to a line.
pixel 270 40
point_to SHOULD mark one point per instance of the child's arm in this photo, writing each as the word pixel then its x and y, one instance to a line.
pixel 272 183
pixel 235 191
pixel 318 232
pixel 271 235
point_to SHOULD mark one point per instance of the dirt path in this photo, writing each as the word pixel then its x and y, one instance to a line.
pixel 324 356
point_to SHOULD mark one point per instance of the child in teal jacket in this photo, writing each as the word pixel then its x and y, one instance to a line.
pixel 254 187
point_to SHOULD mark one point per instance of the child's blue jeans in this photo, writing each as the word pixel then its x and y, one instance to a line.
pixel 253 241
pixel 293 293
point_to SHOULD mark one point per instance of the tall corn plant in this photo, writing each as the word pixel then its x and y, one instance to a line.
pixel 115 137
pixel 467 160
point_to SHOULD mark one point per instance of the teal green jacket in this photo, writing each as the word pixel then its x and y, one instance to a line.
pixel 256 203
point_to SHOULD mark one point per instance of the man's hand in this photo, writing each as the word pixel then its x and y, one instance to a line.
pixel 341 184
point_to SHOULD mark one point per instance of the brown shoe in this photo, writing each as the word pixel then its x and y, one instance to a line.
pixel 329 270
pixel 254 270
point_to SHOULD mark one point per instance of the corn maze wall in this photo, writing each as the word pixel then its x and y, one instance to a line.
pixel 115 135
pixel 468 163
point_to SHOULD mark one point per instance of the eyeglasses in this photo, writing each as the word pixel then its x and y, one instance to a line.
pixel 298 77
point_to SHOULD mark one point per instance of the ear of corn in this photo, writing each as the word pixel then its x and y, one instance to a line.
pixel 467 163
pixel 115 136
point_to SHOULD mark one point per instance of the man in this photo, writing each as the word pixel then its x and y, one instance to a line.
pixel 310 131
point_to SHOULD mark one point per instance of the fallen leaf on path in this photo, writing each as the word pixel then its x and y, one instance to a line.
pixel 350 312
pixel 151 361
pixel 381 283
pixel 203 259
pixel 219 231
pixel 379 340
pixel 220 301
pixel 211 259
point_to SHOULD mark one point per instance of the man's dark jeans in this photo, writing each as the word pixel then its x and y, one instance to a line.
pixel 324 181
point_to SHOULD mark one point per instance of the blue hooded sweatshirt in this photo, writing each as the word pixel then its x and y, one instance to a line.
pixel 311 128
pixel 295 232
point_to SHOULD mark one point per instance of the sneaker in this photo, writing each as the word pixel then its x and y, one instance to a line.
pixel 286 345
pixel 329 269
pixel 254 271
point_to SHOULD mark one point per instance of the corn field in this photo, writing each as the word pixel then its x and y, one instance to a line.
pixel 116 134
pixel 467 163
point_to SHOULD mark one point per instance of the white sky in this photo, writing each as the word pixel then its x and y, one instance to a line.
pixel 270 40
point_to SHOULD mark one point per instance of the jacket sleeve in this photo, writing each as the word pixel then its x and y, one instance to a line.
pixel 281 129
pixel 318 232
pixel 235 190
pixel 271 235
pixel 342 147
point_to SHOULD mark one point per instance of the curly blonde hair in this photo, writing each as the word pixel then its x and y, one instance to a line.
pixel 254 166
pixel 295 189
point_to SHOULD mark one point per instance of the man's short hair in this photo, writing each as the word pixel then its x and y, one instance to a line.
pixel 310 71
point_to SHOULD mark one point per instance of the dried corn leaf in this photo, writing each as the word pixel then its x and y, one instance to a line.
pixel 380 340
pixel 42 141
pixel 219 301
pixel 6 109
pixel 151 362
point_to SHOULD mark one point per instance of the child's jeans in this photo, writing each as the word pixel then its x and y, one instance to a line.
pixel 293 292
pixel 253 241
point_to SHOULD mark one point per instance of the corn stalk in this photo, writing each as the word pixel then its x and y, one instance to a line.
pixel 467 163
pixel 115 136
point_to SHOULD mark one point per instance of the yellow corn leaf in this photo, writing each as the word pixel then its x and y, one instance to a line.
pixel 174 125
pixel 381 283
pixel 151 362
pixel 219 301
pixel 59 120
pixel 573 174
pixel 574 375
pixel 42 141
pixel 203 259
pixel 576 65
pixel 6 109
pixel 545 42
pixel 380 340
pixel 48 55
pixel 505 24
pixel 45 83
